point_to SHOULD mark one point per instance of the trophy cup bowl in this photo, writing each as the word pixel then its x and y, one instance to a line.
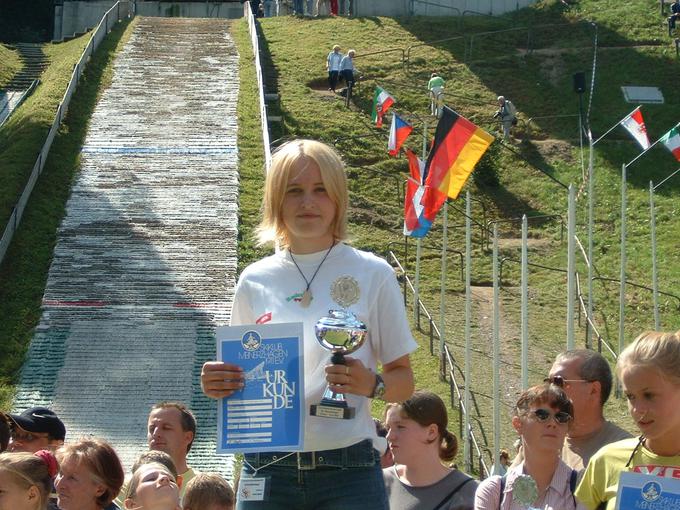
pixel 341 332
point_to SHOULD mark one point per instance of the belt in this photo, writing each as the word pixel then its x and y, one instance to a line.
pixel 361 454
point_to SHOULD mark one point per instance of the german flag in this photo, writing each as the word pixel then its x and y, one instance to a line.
pixel 458 145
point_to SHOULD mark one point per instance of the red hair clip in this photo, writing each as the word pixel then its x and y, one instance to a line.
pixel 50 461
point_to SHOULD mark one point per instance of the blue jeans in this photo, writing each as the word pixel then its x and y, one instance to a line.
pixel 348 478
pixel 297 7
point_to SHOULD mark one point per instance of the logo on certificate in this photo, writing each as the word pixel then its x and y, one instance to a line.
pixel 651 491
pixel 251 340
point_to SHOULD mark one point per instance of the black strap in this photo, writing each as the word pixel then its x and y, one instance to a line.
pixel 451 494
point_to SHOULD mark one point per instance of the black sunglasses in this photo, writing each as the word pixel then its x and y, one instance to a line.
pixel 560 381
pixel 544 415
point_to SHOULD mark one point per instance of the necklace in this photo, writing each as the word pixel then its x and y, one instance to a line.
pixel 307 294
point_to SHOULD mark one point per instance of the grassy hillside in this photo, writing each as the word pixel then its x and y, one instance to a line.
pixel 9 64
pixel 538 78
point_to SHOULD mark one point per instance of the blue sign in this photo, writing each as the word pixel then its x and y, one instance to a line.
pixel 268 413
pixel 647 492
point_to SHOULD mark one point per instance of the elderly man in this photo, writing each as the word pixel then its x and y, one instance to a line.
pixel 507 114
pixel 586 378
pixel 37 428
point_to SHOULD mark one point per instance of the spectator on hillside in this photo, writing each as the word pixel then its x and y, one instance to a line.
pixel 304 212
pixel 90 475
pixel 542 480
pixel 334 7
pixel 4 432
pixel 436 88
pixel 268 7
pixel 421 445
pixel 333 66
pixel 208 491
pixel 347 67
pixel 586 378
pixel 648 371
pixel 152 487
pixel 310 7
pixel 26 480
pixel 507 114
pixel 298 9
pixel 675 14
pixel 346 7
pixel 37 428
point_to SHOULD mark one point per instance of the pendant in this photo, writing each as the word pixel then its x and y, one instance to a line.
pixel 306 299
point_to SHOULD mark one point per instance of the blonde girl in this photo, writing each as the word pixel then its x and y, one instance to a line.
pixel 649 371
pixel 26 480
pixel 304 211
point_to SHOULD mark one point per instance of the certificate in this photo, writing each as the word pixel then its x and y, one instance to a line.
pixel 648 492
pixel 268 413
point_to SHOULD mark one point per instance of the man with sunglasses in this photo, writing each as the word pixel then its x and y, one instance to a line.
pixel 37 428
pixel 586 378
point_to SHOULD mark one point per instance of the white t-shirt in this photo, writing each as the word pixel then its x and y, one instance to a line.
pixel 274 285
pixel 334 60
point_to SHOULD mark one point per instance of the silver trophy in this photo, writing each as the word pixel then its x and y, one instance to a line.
pixel 341 332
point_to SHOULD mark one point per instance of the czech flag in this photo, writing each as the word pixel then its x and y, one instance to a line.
pixel 421 202
pixel 382 101
pixel 399 131
pixel 458 145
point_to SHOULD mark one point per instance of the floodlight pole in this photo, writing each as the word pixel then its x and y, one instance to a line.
pixel 496 356
pixel 442 284
pixel 571 265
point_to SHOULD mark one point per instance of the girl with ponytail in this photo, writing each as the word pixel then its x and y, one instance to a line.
pixel 26 480
pixel 422 446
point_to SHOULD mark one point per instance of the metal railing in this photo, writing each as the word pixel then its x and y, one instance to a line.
pixel 254 41
pixel 113 15
pixel 447 368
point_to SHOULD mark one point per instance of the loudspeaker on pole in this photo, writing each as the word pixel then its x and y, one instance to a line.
pixel 580 82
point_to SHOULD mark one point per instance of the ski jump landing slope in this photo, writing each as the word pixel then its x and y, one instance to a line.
pixel 145 261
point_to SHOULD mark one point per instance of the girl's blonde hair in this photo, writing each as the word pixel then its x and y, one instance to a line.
pixel 28 470
pixel 288 161
pixel 653 349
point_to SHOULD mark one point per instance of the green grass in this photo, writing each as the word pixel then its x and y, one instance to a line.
pixel 24 272
pixel 10 64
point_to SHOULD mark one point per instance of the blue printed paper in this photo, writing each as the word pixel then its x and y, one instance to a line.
pixel 647 492
pixel 268 414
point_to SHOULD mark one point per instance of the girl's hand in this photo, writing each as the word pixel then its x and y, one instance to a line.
pixel 352 378
pixel 219 379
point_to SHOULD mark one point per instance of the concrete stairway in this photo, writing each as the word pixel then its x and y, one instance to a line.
pixel 145 262
pixel 34 63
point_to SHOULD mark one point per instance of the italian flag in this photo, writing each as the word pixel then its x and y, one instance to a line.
pixel 672 141
pixel 381 103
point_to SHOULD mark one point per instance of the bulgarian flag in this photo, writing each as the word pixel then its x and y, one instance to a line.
pixel 672 141
pixel 458 146
pixel 381 103
pixel 636 127
pixel 399 131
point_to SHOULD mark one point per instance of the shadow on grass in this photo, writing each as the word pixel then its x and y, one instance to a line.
pixel 23 273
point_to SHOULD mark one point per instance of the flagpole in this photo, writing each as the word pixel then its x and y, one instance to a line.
pixel 571 266
pixel 468 321
pixel 525 305
pixel 655 280
pixel 591 201
pixel 622 287
pixel 616 125
pixel 442 291
pixel 419 250
pixel 496 356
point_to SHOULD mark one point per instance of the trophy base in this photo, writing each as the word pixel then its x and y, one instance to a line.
pixel 332 411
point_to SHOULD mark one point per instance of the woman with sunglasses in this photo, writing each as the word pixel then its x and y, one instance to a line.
pixel 541 480
pixel 650 377
pixel 304 211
